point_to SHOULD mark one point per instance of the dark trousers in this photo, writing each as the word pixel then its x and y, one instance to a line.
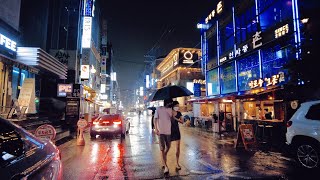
pixel 152 123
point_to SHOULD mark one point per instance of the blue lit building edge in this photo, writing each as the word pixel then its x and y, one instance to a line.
pixel 232 55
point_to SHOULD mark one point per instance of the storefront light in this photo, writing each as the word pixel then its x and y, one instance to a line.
pixel 226 100
pixel 305 20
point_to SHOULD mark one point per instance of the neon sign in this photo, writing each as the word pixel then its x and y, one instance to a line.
pixel 8 43
pixel 218 10
pixel 188 58
pixel 268 81
pixel 281 31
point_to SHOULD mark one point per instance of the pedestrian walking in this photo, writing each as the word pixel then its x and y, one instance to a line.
pixel 162 124
pixel 175 131
pixel 152 119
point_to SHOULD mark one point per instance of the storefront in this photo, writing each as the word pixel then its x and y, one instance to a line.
pixel 181 67
pixel 13 75
pixel 246 48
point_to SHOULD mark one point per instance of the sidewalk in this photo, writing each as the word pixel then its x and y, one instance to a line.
pixel 230 137
pixel 32 123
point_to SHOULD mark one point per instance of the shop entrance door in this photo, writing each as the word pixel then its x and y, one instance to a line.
pixel 225 113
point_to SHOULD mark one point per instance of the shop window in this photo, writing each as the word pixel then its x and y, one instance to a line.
pixel 248 69
pixel 213 82
pixel 212 47
pixel 246 25
pixel 273 12
pixel 24 75
pixel 226 38
pixel 228 78
pixel 15 79
pixel 273 60
pixel 314 112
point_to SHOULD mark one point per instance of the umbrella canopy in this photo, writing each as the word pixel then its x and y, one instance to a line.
pixel 170 92
pixel 152 108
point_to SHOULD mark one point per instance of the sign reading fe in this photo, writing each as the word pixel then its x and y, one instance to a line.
pixel 8 43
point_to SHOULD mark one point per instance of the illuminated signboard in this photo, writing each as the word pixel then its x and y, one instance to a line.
pixel 147 81
pixel 103 96
pixel 268 81
pixel 141 91
pixel 281 31
pixel 213 13
pixel 188 58
pixel 85 71
pixel 7 43
pixel 103 88
pixel 86 35
pixel 64 89
pixel 257 40
pixel 88 9
pixel 238 52
pixel 199 81
pixel 175 59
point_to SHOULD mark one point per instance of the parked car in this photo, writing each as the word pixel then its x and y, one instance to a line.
pixel 303 134
pixel 110 124
pixel 24 156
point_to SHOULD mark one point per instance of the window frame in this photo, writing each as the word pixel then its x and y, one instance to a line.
pixel 308 116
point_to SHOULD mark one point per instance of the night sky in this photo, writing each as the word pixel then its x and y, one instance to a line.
pixel 135 27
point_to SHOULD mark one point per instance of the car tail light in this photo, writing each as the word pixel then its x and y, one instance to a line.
pixel 289 123
pixel 117 122
pixel 106 122
pixel 58 155
pixel 95 122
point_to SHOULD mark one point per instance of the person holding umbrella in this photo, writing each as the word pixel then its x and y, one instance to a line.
pixel 162 119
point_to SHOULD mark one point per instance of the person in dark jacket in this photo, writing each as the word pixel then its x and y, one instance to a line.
pixel 175 131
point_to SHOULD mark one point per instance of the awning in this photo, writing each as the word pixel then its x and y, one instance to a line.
pixel 42 60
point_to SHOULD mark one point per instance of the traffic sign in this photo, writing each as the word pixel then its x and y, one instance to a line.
pixel 82 123
pixel 46 131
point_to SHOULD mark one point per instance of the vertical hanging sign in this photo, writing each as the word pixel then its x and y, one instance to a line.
pixel 86 34
pixel 103 65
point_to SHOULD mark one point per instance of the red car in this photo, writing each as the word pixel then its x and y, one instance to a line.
pixel 110 124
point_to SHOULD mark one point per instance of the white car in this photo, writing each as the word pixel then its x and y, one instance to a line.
pixel 303 134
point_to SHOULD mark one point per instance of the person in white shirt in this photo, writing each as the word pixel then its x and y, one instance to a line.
pixel 162 119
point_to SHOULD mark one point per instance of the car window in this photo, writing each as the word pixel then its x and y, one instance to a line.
pixel 11 144
pixel 314 112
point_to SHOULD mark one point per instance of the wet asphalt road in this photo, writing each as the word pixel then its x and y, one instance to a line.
pixel 203 155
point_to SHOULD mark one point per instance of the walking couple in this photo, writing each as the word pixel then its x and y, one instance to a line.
pixel 167 127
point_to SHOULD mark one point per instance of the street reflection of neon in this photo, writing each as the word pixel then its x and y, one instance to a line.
pixel 94 152
pixel 116 151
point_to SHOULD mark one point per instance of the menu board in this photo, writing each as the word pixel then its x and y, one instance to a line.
pixel 72 109
pixel 245 136
pixel 27 95
pixel 228 78
pixel 213 82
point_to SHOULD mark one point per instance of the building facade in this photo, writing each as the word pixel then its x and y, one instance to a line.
pixel 182 67
pixel 245 46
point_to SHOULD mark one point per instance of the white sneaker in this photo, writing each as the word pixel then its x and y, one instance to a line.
pixel 166 170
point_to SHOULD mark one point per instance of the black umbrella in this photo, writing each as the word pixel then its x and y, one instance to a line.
pixel 169 92
pixel 152 108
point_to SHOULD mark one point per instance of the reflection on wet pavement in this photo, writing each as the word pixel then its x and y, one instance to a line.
pixel 203 156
